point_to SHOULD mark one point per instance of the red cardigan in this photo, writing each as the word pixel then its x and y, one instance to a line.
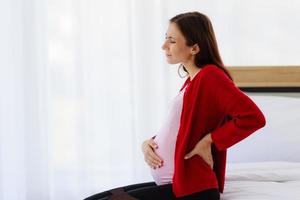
pixel 211 104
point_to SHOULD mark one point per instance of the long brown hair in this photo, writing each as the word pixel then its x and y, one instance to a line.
pixel 197 29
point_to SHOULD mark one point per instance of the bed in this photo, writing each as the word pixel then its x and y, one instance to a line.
pixel 266 165
pixel 263 181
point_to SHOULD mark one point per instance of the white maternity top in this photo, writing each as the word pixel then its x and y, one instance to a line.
pixel 166 139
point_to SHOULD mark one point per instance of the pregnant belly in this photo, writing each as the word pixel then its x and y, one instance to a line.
pixel 165 150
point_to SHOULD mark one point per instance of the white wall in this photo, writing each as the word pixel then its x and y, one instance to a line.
pixel 251 32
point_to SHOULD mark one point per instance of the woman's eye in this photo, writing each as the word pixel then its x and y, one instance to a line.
pixel 170 40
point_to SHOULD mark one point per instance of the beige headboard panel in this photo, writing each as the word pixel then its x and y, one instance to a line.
pixel 273 76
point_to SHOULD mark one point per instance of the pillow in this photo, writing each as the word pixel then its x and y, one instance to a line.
pixel 280 138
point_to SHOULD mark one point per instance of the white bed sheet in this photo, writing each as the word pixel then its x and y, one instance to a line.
pixel 262 181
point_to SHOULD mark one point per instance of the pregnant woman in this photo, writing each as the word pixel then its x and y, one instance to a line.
pixel 187 155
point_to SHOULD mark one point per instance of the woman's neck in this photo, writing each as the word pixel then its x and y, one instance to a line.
pixel 192 70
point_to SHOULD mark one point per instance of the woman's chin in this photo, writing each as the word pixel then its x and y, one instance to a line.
pixel 171 61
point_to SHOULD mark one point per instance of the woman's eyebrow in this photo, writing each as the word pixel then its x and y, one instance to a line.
pixel 169 36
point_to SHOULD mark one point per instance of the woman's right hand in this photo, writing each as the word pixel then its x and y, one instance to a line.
pixel 151 158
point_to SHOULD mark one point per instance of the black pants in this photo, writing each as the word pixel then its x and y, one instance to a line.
pixel 151 191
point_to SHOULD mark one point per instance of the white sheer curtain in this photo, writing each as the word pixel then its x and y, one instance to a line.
pixel 84 82
pixel 103 83
pixel 24 127
pixel 80 82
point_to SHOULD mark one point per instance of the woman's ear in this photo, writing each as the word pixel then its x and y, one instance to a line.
pixel 195 49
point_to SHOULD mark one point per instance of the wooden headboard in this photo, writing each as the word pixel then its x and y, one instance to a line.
pixel 266 79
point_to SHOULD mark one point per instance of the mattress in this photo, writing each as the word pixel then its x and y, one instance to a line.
pixel 262 181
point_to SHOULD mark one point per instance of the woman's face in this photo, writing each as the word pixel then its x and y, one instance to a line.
pixel 175 46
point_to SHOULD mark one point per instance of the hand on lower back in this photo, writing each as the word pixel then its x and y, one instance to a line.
pixel 203 149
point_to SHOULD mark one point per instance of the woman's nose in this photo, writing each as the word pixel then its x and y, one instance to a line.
pixel 163 46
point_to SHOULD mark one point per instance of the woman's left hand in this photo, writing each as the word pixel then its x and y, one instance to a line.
pixel 203 149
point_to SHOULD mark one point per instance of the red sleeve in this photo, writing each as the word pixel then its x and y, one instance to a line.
pixel 245 116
